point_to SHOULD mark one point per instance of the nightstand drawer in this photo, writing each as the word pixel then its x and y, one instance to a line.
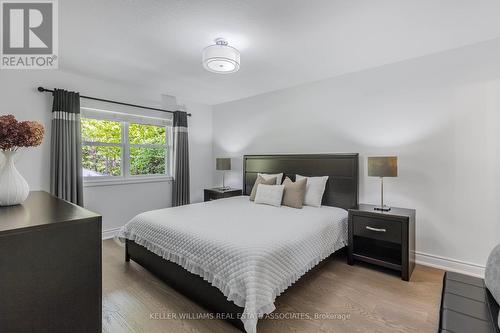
pixel 384 230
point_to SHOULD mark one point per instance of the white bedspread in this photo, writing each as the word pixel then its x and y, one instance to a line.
pixel 251 252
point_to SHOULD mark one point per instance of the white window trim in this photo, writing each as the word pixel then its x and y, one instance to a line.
pixel 118 180
pixel 102 114
pixel 125 177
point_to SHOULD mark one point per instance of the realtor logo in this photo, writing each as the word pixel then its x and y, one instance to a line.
pixel 29 34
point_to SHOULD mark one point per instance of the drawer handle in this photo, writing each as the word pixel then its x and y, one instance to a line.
pixel 376 229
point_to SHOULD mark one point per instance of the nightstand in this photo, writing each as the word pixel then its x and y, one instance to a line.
pixel 217 193
pixel 383 238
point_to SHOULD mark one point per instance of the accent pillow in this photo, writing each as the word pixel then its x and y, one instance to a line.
pixel 314 189
pixel 492 274
pixel 261 180
pixel 269 194
pixel 279 176
pixel 294 193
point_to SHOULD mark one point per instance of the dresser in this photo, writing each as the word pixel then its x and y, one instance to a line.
pixel 50 267
pixel 383 238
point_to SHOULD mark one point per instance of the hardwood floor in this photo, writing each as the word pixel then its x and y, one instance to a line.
pixel 369 299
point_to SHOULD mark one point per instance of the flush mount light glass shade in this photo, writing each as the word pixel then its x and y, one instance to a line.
pixel 221 58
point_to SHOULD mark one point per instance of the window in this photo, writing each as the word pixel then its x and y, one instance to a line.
pixel 124 147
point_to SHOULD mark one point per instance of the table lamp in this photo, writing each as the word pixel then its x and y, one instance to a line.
pixel 382 166
pixel 223 164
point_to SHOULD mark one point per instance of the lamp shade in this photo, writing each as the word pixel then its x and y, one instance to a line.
pixel 221 58
pixel 383 166
pixel 223 164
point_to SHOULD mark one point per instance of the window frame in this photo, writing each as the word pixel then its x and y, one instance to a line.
pixel 125 120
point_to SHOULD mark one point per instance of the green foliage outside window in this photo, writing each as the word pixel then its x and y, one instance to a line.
pixel 146 134
pixel 99 160
pixel 147 161
pixel 101 130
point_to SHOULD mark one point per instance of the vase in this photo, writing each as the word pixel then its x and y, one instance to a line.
pixel 13 187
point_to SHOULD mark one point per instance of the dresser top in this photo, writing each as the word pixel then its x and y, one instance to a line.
pixel 39 210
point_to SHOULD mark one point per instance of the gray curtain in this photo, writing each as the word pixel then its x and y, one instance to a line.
pixel 180 191
pixel 66 149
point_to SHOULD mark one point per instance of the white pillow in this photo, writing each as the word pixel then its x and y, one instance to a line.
pixel 266 176
pixel 314 190
pixel 269 194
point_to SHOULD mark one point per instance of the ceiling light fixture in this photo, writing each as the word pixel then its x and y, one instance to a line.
pixel 221 58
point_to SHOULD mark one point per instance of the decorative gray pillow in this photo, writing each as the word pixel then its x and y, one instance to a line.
pixel 492 274
pixel 294 192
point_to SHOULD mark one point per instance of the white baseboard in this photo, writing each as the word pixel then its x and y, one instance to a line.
pixel 110 233
pixel 449 264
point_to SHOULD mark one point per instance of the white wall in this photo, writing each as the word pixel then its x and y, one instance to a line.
pixel 117 203
pixel 439 114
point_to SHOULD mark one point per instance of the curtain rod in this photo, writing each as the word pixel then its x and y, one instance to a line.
pixel 42 89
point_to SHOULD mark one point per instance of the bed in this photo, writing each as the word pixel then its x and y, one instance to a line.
pixel 234 257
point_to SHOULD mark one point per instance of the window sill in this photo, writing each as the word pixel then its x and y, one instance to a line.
pixel 126 181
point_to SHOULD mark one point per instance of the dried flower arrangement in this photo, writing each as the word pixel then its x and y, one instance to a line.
pixel 17 134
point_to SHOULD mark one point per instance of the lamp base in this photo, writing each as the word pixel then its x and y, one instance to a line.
pixel 383 208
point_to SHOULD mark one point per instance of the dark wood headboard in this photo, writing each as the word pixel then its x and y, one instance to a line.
pixel 342 169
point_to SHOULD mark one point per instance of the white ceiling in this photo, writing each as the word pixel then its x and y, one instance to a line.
pixel 158 43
